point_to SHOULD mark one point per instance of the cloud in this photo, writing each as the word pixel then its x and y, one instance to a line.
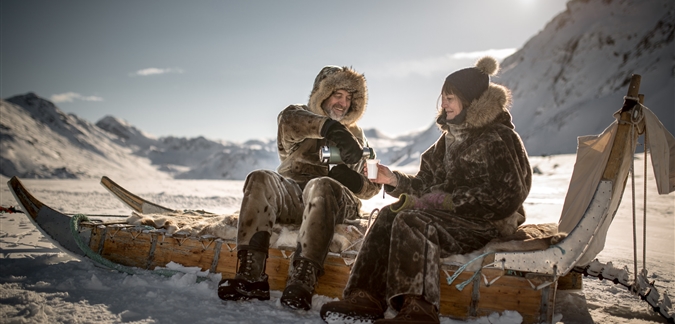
pixel 443 64
pixel 155 71
pixel 72 96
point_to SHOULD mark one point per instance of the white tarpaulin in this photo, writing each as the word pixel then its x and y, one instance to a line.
pixel 592 155
pixel 661 144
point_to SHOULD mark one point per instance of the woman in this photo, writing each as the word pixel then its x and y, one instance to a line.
pixel 469 190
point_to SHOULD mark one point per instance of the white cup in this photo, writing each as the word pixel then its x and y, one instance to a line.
pixel 372 168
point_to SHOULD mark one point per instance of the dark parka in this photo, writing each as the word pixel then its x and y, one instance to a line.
pixel 481 172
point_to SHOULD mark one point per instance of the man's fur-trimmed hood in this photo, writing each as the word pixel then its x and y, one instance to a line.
pixel 491 107
pixel 332 78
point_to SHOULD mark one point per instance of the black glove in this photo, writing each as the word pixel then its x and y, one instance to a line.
pixel 350 149
pixel 347 177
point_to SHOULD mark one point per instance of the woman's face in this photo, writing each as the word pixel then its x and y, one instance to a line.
pixel 451 104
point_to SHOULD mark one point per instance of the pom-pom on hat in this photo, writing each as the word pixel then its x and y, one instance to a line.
pixel 472 82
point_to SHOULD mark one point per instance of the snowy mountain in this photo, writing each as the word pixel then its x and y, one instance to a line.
pixel 569 78
pixel 126 134
pixel 37 140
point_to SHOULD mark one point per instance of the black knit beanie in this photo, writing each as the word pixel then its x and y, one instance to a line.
pixel 472 82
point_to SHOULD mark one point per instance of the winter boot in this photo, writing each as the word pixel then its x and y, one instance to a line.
pixel 358 306
pixel 300 284
pixel 415 310
pixel 250 281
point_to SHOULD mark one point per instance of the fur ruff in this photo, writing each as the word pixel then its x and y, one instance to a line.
pixel 485 110
pixel 349 80
pixel 346 237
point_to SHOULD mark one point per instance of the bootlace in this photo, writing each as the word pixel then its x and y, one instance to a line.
pixel 304 272
pixel 411 305
pixel 246 261
pixel 362 298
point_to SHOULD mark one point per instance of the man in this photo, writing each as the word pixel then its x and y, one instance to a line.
pixel 469 190
pixel 303 190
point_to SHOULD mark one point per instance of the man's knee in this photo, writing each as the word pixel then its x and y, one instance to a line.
pixel 320 186
pixel 259 177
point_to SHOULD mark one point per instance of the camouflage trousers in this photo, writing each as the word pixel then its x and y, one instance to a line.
pixel 270 198
pixel 401 253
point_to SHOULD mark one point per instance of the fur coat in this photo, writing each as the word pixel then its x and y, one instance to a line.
pixel 481 164
pixel 299 126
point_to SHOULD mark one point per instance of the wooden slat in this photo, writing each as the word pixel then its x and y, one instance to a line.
pixel 455 303
pixel 572 281
pixel 123 247
pixel 188 250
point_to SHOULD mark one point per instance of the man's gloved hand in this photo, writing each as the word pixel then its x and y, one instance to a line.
pixel 347 177
pixel 350 149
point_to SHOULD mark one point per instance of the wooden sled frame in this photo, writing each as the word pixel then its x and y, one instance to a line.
pixel 527 280
pixel 140 247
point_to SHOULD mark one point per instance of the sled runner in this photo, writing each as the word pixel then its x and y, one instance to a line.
pixel 521 275
pixel 134 202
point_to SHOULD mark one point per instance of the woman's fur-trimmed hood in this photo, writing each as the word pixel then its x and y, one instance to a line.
pixel 491 107
pixel 333 78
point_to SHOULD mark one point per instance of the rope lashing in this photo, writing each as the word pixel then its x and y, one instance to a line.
pixel 462 268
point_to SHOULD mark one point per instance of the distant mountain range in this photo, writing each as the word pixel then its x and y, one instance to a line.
pixel 567 81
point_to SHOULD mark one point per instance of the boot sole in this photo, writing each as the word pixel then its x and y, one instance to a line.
pixel 238 292
pixel 337 317
pixel 296 298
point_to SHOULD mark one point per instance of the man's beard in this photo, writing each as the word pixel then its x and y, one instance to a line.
pixel 333 115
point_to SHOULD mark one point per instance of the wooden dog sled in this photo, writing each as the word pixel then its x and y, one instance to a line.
pixel 523 280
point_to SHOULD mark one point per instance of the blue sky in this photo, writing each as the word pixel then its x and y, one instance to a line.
pixel 224 69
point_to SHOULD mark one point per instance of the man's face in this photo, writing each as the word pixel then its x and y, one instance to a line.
pixel 337 105
pixel 451 104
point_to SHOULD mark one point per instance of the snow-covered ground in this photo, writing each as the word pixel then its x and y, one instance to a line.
pixel 39 284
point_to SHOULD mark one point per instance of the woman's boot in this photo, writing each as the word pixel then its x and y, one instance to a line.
pixel 358 306
pixel 415 310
